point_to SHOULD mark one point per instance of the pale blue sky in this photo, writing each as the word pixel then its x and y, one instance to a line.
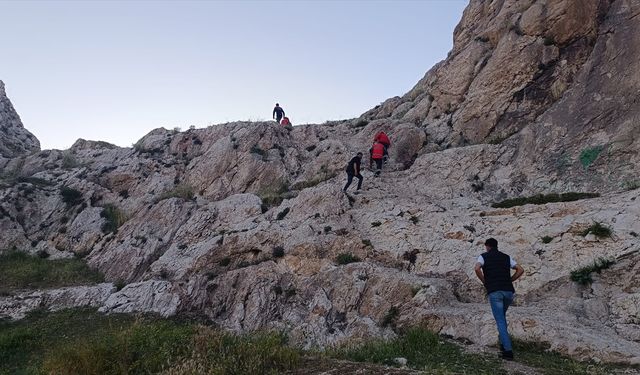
pixel 114 70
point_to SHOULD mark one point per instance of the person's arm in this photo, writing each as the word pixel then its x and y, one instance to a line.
pixel 519 272
pixel 357 168
pixel 274 114
pixel 479 273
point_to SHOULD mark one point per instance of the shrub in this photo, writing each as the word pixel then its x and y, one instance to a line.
pixel 183 191
pixel 324 175
pixel 582 275
pixel 273 195
pixel 391 317
pixel 367 243
pixel 346 258
pixel 19 270
pixel 278 252
pixel 224 261
pixel 70 196
pixel 544 198
pixel 598 230
pixel 631 185
pixel 376 224
pixel 327 229
pixel 258 151
pixel 414 219
pixel 546 239
pixel 589 155
pixel 114 218
pixel 361 123
pixel 69 161
pixel 282 214
pixel 119 284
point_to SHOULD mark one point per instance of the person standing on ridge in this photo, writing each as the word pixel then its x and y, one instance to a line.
pixel 377 152
pixel 493 268
pixel 353 169
pixel 278 113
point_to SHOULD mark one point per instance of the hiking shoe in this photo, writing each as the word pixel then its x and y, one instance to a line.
pixel 507 355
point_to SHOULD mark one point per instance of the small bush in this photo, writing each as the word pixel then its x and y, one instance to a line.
pixel 323 175
pixel 310 148
pixel 376 224
pixel 361 123
pixel 278 252
pixel 391 317
pixel 631 185
pixel 36 181
pixel 114 218
pixel 414 219
pixel 119 284
pixel 69 161
pixel 183 191
pixel 70 196
pixel 327 229
pixel 589 155
pixel 367 243
pixel 544 199
pixel 582 275
pixel 598 230
pixel 282 214
pixel 224 261
pixel 546 239
pixel 346 258
pixel 258 151
pixel 273 195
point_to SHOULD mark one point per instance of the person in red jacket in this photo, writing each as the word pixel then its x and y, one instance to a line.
pixel 377 152
pixel 382 138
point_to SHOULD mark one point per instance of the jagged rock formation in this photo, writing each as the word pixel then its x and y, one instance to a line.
pixel 243 223
pixel 15 140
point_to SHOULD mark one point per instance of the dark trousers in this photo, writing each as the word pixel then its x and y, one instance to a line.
pixel 350 178
pixel 378 163
pixel 278 118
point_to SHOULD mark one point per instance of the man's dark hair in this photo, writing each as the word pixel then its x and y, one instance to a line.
pixel 492 243
pixel 277 104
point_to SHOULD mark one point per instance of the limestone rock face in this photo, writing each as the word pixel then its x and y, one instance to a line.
pixel 15 140
pixel 246 225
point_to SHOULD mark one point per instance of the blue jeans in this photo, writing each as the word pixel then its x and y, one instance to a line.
pixel 500 302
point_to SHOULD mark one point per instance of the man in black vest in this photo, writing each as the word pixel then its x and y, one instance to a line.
pixel 493 268
pixel 353 170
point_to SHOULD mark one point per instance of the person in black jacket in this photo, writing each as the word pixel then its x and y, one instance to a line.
pixel 493 268
pixel 353 169
pixel 278 113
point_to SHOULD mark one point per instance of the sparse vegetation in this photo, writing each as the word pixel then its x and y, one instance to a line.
pixel 184 191
pixel 258 151
pixel 282 214
pixel 327 229
pixel 631 185
pixel 19 270
pixel 589 155
pixel 278 252
pixel 273 195
pixel 390 317
pixel 367 243
pixel 544 199
pixel 538 355
pixel 346 258
pixel 582 275
pixel 323 176
pixel 69 161
pixel 376 224
pixel 546 239
pixel 414 219
pixel 70 196
pixel 225 261
pixel 598 230
pixel 361 123
pixel 114 218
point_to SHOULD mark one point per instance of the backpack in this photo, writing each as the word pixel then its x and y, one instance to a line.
pixel 382 138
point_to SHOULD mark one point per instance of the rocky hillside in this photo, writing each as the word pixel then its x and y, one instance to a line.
pixel 245 224
pixel 15 140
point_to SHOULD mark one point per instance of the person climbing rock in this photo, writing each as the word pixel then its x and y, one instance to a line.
pixel 278 113
pixel 377 153
pixel 285 122
pixel 353 170
pixel 493 268
pixel 383 138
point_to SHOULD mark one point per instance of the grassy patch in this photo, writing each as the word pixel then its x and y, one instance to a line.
pixel 367 243
pixel 273 195
pixel 582 275
pixel 631 185
pixel 546 239
pixel 544 198
pixel 114 218
pixel 598 230
pixel 70 196
pixel 323 176
pixel 423 350
pixel 19 270
pixel 69 161
pixel 361 123
pixel 589 155
pixel 346 258
pixel 537 355
pixel 183 191
pixel 390 317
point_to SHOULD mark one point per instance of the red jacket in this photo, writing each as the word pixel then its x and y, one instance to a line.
pixel 377 151
pixel 382 138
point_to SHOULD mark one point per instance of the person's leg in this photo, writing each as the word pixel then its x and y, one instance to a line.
pixel 360 178
pixel 378 166
pixel 497 301
pixel 349 179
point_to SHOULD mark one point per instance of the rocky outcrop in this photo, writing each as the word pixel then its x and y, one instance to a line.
pixel 15 140
pixel 245 224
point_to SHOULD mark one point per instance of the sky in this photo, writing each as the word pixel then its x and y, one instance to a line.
pixel 115 70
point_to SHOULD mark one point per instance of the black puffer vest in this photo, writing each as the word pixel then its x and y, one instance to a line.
pixel 497 271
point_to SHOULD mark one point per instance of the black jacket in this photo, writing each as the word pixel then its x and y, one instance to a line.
pixel 278 112
pixel 353 167
pixel 497 271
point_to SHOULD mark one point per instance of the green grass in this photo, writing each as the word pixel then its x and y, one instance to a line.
pixel 537 355
pixel 598 230
pixel 82 341
pixel 19 271
pixel 70 196
pixel 589 155
pixel 423 350
pixel 543 199
pixel 546 239
pixel 582 275
pixel 183 191
pixel 273 195
pixel 346 258
pixel 114 218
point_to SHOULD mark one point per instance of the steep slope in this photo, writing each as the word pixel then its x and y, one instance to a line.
pixel 245 224
pixel 15 140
